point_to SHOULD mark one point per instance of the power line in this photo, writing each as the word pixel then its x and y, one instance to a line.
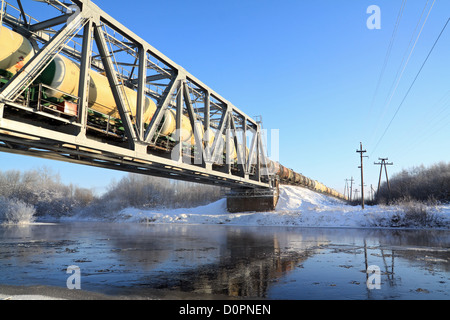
pixel 397 78
pixel 411 86
pixel 427 125
pixel 388 52
pixel 445 124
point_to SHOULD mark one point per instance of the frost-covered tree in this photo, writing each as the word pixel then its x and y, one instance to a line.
pixel 14 211
pixel 148 192
pixel 43 189
pixel 418 183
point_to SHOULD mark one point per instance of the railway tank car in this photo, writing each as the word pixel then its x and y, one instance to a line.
pixel 15 51
pixel 62 74
pixel 60 79
pixel 290 177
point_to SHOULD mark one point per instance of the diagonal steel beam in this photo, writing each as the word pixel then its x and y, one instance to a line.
pixel 84 81
pixel 49 23
pixel 263 161
pixel 258 154
pixel 206 127
pixel 22 13
pixel 216 144
pixel 252 149
pixel 21 80
pixel 116 87
pixel 161 108
pixel 240 161
pixel 199 159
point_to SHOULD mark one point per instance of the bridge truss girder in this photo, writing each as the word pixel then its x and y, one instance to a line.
pixel 127 61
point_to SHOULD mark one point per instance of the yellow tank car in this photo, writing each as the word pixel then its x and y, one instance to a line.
pixel 15 51
pixel 63 74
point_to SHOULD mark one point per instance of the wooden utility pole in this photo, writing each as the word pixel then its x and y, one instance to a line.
pixel 382 164
pixel 346 187
pixel 349 193
pixel 372 193
pixel 356 194
pixel 361 152
pixel 351 187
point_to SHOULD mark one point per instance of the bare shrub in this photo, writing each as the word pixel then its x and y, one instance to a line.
pixel 409 213
pixel 412 213
pixel 14 211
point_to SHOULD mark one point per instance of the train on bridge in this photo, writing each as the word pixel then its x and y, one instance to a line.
pixel 61 89
pixel 290 177
pixel 54 90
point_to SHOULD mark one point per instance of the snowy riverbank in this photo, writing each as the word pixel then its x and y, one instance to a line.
pixel 297 207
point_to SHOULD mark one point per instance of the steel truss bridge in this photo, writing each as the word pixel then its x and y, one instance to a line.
pixel 82 32
pixel 80 87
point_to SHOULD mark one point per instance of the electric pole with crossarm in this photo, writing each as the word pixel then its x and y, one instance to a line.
pixel 349 188
pixel 361 152
pixel 382 164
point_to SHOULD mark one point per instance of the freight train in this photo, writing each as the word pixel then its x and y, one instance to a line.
pixel 56 89
pixel 290 177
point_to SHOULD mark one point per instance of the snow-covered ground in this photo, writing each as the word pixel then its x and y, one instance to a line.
pixel 297 206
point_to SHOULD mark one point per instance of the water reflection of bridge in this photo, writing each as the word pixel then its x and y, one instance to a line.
pixel 218 261
pixel 246 266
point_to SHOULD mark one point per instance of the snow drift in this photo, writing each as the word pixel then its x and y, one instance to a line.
pixel 297 206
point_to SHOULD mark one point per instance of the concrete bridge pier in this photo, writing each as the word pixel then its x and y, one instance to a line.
pixel 259 200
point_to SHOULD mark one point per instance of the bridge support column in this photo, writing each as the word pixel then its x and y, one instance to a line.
pixel 259 200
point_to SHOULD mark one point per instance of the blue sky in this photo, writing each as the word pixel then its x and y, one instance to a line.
pixel 310 69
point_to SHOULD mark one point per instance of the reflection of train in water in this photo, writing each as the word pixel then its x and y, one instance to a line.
pixel 56 90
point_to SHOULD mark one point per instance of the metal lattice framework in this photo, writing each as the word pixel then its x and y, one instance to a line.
pixel 82 32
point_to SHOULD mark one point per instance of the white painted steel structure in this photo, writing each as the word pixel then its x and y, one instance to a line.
pixel 82 32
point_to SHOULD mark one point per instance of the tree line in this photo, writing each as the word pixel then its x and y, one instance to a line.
pixel 43 191
pixel 142 191
pixel 418 183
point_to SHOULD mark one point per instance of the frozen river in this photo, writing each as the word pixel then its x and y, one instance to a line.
pixel 221 262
